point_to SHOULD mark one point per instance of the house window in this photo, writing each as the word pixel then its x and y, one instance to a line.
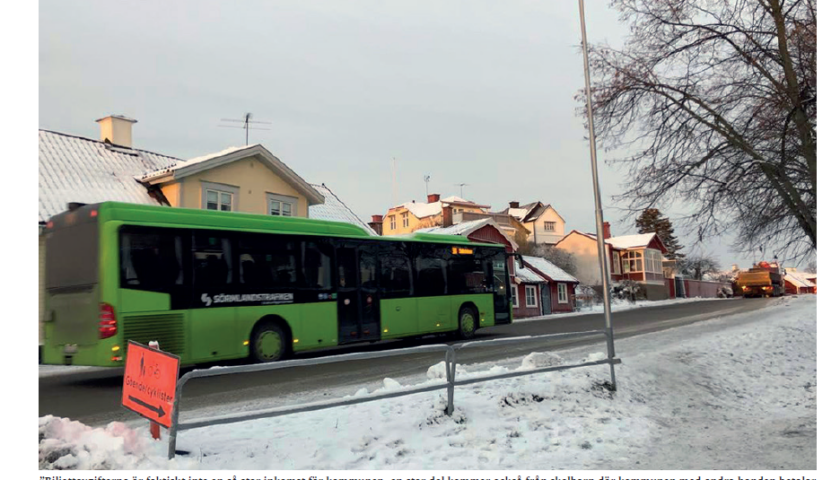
pixel 281 205
pixel 562 294
pixel 616 264
pixel 530 296
pixel 549 226
pixel 216 196
pixel 632 261
pixel 405 220
pixel 653 261
pixel 393 219
pixel 514 295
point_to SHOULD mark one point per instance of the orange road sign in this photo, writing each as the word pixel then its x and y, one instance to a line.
pixel 149 382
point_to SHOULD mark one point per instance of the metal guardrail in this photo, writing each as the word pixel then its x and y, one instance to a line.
pixel 449 384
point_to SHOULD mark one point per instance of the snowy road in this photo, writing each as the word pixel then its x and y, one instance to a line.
pixel 93 396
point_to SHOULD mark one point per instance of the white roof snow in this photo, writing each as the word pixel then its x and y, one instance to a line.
pixel 466 228
pixel 335 210
pixel 191 162
pixel 526 275
pixel 553 271
pixel 798 279
pixel 631 241
pixel 78 169
pixel 423 210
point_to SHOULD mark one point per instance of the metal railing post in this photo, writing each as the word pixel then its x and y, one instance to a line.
pixel 176 405
pixel 450 380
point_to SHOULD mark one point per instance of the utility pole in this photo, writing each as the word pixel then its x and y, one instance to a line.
pixel 599 213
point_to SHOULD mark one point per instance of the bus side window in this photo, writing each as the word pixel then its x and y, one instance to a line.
pixel 212 261
pixel 317 265
pixel 396 280
pixel 266 262
pixel 431 270
pixel 151 260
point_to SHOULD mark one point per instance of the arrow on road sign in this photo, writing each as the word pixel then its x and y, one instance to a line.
pixel 158 410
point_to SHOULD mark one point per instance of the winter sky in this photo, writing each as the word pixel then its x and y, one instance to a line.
pixel 473 92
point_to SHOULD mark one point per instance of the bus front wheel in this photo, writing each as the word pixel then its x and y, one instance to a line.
pixel 467 323
pixel 269 343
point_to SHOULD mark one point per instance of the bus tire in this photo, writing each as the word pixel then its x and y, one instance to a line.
pixel 467 322
pixel 269 343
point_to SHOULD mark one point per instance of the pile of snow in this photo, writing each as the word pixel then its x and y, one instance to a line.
pixel 734 393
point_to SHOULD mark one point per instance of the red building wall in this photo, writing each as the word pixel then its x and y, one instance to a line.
pixel 556 306
pixel 522 311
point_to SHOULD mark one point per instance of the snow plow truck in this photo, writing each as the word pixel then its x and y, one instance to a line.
pixel 762 280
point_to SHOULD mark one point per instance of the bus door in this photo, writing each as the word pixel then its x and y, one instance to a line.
pixel 358 298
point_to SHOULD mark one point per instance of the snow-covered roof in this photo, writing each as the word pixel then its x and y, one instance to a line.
pixel 148 175
pixel 78 169
pixel 526 275
pixel 423 210
pixel 230 155
pixel 798 279
pixel 553 272
pixel 631 241
pixel 336 210
pixel 466 228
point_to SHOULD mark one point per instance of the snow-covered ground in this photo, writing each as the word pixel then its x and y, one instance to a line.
pixel 733 393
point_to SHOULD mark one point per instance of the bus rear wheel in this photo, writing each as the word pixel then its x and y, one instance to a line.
pixel 467 323
pixel 269 343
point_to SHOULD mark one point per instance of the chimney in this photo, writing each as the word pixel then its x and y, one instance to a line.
pixel 116 129
pixel 433 197
pixel 447 216
pixel 514 204
pixel 606 230
pixel 376 224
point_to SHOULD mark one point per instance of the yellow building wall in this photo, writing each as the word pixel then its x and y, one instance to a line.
pixel 172 192
pixel 254 180
pixel 414 223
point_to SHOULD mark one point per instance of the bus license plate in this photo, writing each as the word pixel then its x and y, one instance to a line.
pixel 70 349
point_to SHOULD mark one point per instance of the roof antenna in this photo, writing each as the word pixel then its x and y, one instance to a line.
pixel 246 124
pixel 426 179
pixel 462 185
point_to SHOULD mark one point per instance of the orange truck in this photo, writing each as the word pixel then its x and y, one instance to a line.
pixel 763 280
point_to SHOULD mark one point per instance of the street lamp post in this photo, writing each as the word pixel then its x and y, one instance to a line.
pixel 599 214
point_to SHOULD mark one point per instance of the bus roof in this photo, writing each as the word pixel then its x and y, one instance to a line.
pixel 189 217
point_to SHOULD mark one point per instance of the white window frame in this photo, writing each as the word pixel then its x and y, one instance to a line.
pixel 404 219
pixel 547 224
pixel 514 296
pixel 616 263
pixel 393 221
pixel 562 293
pixel 292 202
pixel 220 188
pixel 633 261
pixel 532 288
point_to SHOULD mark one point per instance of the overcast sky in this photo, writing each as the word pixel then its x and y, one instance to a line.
pixel 478 92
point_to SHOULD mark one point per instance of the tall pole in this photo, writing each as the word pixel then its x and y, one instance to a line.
pixel 599 214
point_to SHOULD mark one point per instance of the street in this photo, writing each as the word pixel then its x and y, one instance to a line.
pixel 94 397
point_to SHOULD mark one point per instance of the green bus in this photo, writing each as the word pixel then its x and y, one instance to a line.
pixel 211 286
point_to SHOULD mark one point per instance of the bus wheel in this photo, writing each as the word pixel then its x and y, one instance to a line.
pixel 269 343
pixel 467 319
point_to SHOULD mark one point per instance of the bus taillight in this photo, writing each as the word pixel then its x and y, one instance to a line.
pixel 107 321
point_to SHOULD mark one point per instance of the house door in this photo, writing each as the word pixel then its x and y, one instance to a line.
pixel 679 287
pixel 545 294
pixel 358 300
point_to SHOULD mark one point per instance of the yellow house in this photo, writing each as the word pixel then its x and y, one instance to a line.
pixel 241 179
pixel 411 216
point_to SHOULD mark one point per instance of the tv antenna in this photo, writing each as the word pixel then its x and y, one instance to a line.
pixel 246 124
pixel 462 185
pixel 426 179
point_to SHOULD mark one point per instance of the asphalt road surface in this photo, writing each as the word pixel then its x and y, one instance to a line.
pixel 93 397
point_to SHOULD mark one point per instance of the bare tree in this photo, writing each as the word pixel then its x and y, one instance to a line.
pixel 697 266
pixel 561 258
pixel 717 101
